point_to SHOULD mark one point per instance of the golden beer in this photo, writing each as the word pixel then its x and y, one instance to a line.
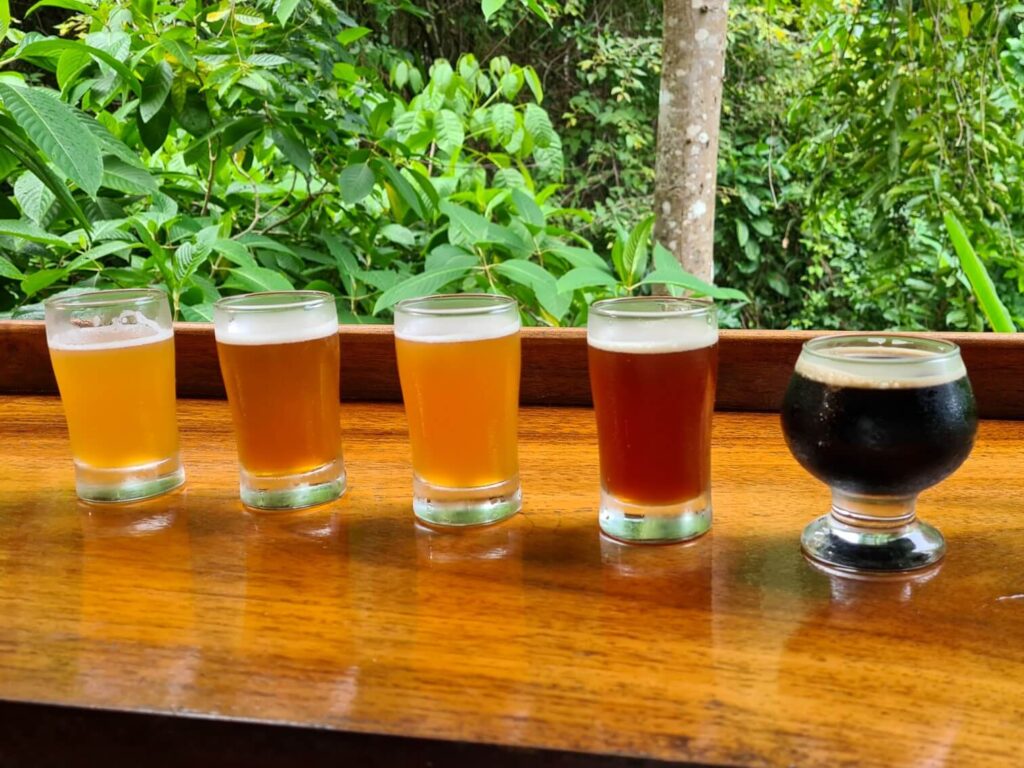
pixel 280 359
pixel 113 357
pixel 459 361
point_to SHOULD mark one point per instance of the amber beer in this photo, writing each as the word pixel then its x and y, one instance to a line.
pixel 458 360
pixel 280 360
pixel 653 364
pixel 113 357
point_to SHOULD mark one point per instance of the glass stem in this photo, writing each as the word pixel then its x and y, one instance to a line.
pixel 878 512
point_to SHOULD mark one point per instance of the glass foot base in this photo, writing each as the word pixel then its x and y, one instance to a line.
pixel 281 492
pixel 848 548
pixel 128 483
pixel 442 506
pixel 663 524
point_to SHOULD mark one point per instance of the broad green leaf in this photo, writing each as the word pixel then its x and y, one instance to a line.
pixel 396 233
pixel 636 249
pixel 180 51
pixel 356 182
pixel 284 9
pixel 538 125
pixel 404 190
pixel 68 5
pixel 155 88
pixel 5 19
pixel 742 233
pixel 266 60
pixel 129 179
pixel 70 65
pixel 448 131
pixel 33 196
pixel 528 209
pixel 234 252
pixel 53 126
pixel 445 255
pixel 577 257
pixel 503 119
pixel 40 280
pixel 52 46
pixel 542 282
pixel 187 259
pixel 154 133
pixel 197 313
pixel 491 7
pixel 466 227
pixel 26 230
pixel 293 149
pixel 261 279
pixel 981 283
pixel 585 277
pixel 419 285
pixel 533 81
pixel 351 34
pixel 7 268
pixel 668 271
pixel 94 254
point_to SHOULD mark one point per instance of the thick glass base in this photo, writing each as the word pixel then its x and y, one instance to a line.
pixel 853 548
pixel 282 492
pixel 482 505
pixel 128 483
pixel 663 524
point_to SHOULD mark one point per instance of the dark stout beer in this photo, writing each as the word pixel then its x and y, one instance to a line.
pixel 879 421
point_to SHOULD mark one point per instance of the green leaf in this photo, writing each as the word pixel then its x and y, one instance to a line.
pixel 284 9
pixel 420 285
pixel 234 252
pixel 778 284
pixel 503 119
pixel 533 81
pixel 266 60
pixel 155 88
pixel 261 279
pixel 491 7
pixel 94 254
pixel 70 65
pixel 180 51
pixel 445 255
pixel 197 313
pixel 466 227
pixel 126 178
pixel 7 268
pixel 53 126
pixel 742 233
pixel 635 251
pixel 187 259
pixel 26 230
pixel 406 192
pixel 33 196
pixel 68 5
pixel 981 282
pixel 293 149
pixel 538 125
pixel 542 282
pixel 577 257
pixel 396 233
pixel 668 271
pixel 350 35
pixel 356 182
pixel 5 19
pixel 154 133
pixel 585 277
pixel 51 46
pixel 448 131
pixel 40 280
pixel 528 209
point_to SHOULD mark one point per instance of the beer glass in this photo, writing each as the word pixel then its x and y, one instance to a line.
pixel 878 418
pixel 280 361
pixel 113 356
pixel 458 361
pixel 653 367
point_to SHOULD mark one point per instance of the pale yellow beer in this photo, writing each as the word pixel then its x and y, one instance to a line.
pixel 459 361
pixel 113 357
pixel 115 418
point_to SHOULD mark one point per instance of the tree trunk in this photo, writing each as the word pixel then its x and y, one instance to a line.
pixel 691 104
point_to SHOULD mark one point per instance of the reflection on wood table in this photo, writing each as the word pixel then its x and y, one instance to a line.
pixel 536 634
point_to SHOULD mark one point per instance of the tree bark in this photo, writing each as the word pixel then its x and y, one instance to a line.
pixel 688 118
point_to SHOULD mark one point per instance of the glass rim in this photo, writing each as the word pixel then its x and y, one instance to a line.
pixel 933 349
pixel 111 297
pixel 268 301
pixel 493 303
pixel 653 307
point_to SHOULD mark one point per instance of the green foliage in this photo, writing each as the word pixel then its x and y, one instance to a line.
pixel 219 148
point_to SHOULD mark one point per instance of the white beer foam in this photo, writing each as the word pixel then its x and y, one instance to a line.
pixel 118 335
pixel 288 326
pixel 859 368
pixel 453 329
pixel 656 336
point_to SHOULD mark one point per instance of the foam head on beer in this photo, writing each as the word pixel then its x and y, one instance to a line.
pixel 455 327
pixel 865 367
pixel 284 325
pixel 128 329
pixel 640 333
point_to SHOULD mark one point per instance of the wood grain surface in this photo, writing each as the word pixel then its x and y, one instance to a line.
pixel 754 366
pixel 536 634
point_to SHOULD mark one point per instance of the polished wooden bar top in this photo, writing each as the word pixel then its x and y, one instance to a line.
pixel 534 634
